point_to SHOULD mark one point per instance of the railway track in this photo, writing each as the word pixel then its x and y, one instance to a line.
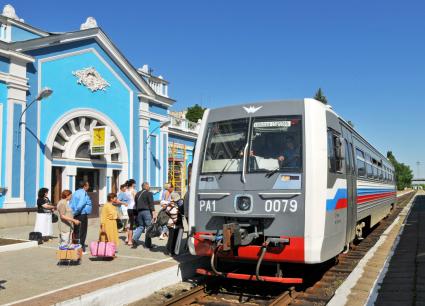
pixel 318 289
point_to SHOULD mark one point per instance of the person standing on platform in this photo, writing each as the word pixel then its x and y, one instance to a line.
pixel 145 214
pixel 108 219
pixel 175 223
pixel 66 221
pixel 43 221
pixel 81 206
pixel 131 211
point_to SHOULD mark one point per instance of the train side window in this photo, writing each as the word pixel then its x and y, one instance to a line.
pixel 369 170
pixel 381 171
pixel 335 152
pixel 361 166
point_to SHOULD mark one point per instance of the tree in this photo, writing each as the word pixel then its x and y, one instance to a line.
pixel 194 113
pixel 320 97
pixel 403 173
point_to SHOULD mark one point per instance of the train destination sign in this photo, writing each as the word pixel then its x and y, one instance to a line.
pixel 266 124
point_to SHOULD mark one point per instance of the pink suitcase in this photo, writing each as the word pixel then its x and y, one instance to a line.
pixel 102 249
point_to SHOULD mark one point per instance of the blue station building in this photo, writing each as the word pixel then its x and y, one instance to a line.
pixel 47 143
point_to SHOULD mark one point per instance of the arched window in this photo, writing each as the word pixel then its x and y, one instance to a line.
pixel 83 151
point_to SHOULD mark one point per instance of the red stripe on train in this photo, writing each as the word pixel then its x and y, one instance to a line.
pixel 367 198
pixel 293 252
pixel 342 203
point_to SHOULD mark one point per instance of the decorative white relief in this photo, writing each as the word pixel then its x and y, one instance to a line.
pixel 9 11
pixel 90 78
pixel 89 24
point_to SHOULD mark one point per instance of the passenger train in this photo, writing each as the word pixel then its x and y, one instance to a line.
pixel 283 182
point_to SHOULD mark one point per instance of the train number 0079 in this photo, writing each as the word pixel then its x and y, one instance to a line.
pixel 281 206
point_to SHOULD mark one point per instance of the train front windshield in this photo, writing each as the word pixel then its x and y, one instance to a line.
pixel 274 144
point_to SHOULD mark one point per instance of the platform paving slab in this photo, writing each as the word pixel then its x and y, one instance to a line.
pixel 33 272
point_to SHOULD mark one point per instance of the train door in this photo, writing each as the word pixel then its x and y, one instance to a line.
pixel 351 191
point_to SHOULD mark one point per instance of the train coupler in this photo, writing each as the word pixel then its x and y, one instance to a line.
pixel 231 237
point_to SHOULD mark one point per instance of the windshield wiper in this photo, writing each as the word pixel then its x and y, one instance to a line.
pixel 230 160
pixel 271 172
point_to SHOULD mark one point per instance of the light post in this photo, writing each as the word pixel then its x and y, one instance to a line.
pixel 46 92
pixel 164 123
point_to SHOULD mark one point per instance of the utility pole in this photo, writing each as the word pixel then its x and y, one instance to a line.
pixel 418 163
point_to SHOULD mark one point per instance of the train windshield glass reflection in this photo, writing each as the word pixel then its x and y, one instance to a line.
pixel 276 144
pixel 224 146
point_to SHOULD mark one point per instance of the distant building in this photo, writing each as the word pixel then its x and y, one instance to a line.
pixel 94 88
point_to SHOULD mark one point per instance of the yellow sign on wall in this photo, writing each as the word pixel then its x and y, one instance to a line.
pixel 99 140
pixel 98 137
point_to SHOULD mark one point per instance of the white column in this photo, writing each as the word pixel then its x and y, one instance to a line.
pixel 68 178
pixel 143 127
pixel 17 89
pixel 164 155
pixel 108 180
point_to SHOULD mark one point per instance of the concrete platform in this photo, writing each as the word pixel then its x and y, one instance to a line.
pixel 361 286
pixel 404 277
pixel 32 276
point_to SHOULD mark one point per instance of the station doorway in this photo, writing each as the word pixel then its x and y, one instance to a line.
pixel 56 188
pixel 91 176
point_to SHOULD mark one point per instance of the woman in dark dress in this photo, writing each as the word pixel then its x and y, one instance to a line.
pixel 43 221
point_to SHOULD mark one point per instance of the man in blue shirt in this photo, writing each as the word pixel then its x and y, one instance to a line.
pixel 81 206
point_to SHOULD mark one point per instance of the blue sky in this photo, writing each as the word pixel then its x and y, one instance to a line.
pixel 367 56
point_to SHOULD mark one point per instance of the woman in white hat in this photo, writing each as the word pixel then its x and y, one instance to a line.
pixel 174 223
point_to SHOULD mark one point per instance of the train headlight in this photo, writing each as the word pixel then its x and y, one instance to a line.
pixel 243 203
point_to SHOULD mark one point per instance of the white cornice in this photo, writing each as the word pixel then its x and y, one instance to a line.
pixel 27 27
pixel 181 133
pixel 16 55
pixel 24 26
pixel 155 100
pixel 14 81
pixel 150 115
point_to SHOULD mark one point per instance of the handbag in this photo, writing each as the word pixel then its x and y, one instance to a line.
pixel 36 236
pixel 153 230
pixel 55 218
pixel 102 248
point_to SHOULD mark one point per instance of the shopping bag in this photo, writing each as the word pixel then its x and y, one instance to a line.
pixel 102 248
pixel 153 230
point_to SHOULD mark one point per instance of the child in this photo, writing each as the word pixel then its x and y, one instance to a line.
pixel 123 200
